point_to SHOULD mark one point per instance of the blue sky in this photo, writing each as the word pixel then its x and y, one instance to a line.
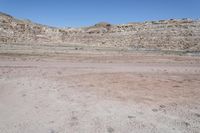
pixel 76 13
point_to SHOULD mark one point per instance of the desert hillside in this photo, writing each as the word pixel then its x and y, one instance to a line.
pixel 171 34
pixel 129 78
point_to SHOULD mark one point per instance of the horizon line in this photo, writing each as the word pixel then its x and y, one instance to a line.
pixel 146 21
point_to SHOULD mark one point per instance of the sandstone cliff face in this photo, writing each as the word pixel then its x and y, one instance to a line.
pixel 165 34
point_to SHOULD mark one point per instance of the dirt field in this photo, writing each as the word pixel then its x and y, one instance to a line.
pixel 97 93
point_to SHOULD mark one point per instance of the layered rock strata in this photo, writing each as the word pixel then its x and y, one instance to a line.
pixel 171 34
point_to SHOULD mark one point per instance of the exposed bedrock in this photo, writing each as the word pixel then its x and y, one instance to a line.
pixel 171 34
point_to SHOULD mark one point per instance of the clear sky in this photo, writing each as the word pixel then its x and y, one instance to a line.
pixel 76 13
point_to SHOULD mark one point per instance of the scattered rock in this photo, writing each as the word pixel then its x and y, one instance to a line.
pixel 130 117
pixel 110 130
pixel 51 131
pixel 74 118
pixel 176 86
pixel 23 95
pixel 185 123
pixel 197 115
pixel 155 110
pixel 162 106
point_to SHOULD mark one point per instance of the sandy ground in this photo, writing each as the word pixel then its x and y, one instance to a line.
pixel 99 93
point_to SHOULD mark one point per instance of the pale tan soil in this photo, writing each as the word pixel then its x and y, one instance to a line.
pixel 97 93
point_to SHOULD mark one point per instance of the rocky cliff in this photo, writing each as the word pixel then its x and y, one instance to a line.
pixel 171 34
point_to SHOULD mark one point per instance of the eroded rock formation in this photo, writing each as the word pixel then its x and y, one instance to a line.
pixel 181 34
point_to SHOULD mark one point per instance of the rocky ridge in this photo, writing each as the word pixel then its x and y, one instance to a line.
pixel 183 34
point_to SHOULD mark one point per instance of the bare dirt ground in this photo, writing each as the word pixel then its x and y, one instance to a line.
pixel 97 93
